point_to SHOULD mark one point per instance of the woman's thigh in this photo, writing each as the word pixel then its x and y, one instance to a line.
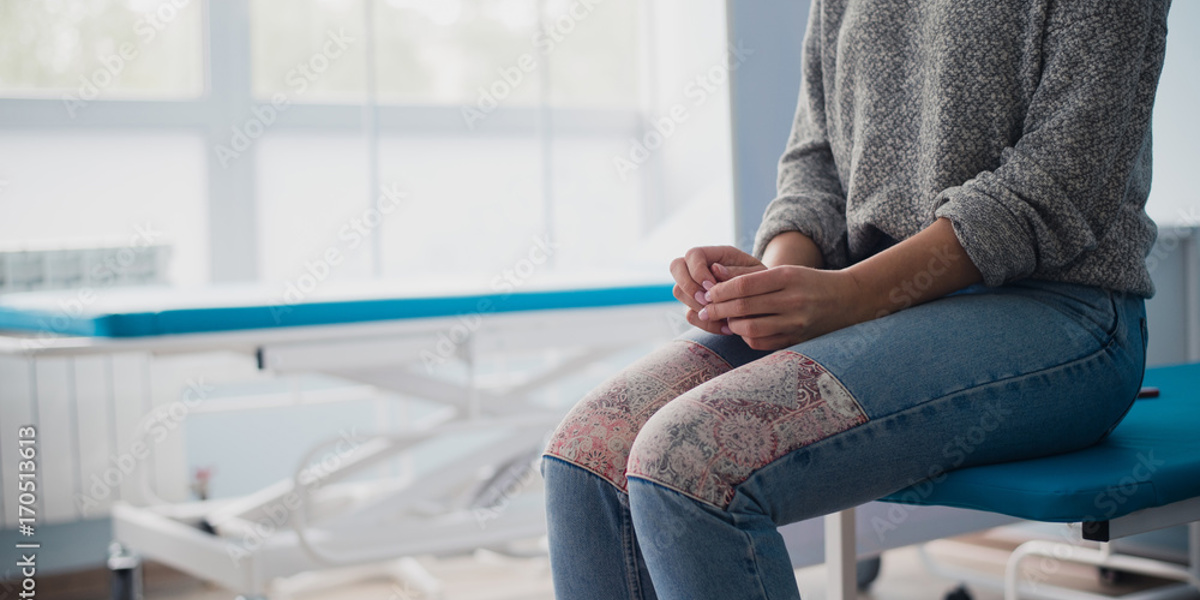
pixel 986 375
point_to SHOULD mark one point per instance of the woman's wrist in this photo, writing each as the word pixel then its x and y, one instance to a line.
pixel 793 248
pixel 923 267
pixel 861 301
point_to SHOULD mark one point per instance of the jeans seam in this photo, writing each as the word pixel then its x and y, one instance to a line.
pixel 677 490
pixel 628 539
pixel 1141 380
pixel 750 539
pixel 585 468
pixel 762 590
pixel 1110 328
pixel 631 571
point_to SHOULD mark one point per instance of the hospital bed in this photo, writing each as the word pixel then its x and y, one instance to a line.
pixel 391 337
pixel 380 335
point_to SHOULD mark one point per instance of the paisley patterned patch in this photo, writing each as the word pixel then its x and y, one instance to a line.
pixel 712 438
pixel 600 429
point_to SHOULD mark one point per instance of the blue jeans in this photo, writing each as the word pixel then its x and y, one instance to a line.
pixel 671 479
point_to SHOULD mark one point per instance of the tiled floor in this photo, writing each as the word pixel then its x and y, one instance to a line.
pixel 488 576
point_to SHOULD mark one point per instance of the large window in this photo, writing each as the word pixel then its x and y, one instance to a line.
pixel 1174 199
pixel 408 138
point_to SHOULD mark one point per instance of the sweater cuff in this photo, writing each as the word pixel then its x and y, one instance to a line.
pixel 826 231
pixel 996 241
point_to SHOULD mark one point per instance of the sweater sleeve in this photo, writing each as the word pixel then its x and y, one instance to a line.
pixel 809 196
pixel 1059 187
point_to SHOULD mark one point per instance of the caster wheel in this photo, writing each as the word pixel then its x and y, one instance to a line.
pixel 206 527
pixel 959 593
pixel 866 572
pixel 1111 577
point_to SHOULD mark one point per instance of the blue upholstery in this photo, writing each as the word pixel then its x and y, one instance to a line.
pixel 1151 459
pixel 140 323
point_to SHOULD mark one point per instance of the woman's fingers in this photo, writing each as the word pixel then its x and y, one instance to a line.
pixel 680 295
pixel 725 273
pixel 699 271
pixel 752 306
pixel 755 283
pixel 761 327
pixel 697 260
pixel 686 289
pixel 710 326
pixel 774 342
pixel 770 332
pixel 754 294
pixel 730 256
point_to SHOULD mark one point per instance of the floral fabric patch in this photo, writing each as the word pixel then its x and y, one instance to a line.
pixel 712 438
pixel 600 429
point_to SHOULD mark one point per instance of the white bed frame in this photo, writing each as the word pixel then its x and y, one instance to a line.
pixel 340 522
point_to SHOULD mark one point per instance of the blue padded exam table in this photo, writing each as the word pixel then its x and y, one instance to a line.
pixel 1144 476
pixel 164 311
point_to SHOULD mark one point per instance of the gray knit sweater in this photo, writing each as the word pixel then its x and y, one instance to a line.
pixel 1024 122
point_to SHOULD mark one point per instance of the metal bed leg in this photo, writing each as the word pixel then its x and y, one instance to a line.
pixel 413 575
pixel 840 555
pixel 1194 550
pixel 125 570
pixel 1102 557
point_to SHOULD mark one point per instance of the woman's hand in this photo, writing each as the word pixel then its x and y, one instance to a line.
pixel 783 306
pixel 699 270
pixel 788 304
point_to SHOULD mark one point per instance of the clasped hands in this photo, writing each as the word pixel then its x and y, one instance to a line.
pixel 728 291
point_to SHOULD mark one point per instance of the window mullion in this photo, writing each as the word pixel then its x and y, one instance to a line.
pixel 231 143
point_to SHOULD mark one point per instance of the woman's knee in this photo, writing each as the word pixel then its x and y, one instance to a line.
pixel 710 440
pixel 599 431
pixel 679 449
